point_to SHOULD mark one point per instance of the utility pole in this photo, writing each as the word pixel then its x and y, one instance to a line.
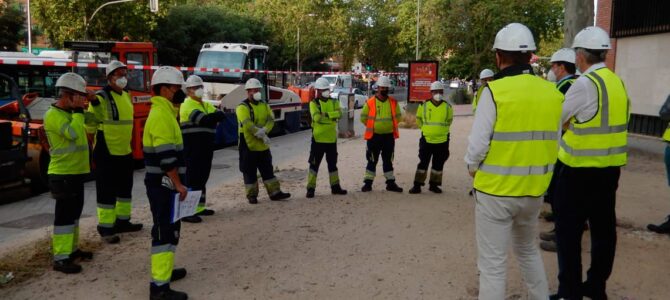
pixel 30 29
pixel 418 9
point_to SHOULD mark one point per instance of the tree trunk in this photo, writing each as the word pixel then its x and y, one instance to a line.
pixel 578 15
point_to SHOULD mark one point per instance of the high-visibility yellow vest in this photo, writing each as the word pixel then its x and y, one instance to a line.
pixel 115 117
pixel 523 149
pixel 190 113
pixel 324 119
pixel 666 134
pixel 251 116
pixel 478 95
pixel 68 145
pixel 435 121
pixel 162 141
pixel 601 141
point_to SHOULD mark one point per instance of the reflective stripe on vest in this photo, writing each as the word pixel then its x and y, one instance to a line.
pixel 602 141
pixel 372 117
pixel 117 124
pixel 435 123
pixel 523 148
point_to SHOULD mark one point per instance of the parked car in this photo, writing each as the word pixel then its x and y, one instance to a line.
pixel 359 97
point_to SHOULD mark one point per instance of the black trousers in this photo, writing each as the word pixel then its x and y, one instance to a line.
pixel 252 162
pixel 113 183
pixel 438 153
pixel 198 166
pixel 68 191
pixel 384 145
pixel 164 233
pixel 585 194
pixel 316 154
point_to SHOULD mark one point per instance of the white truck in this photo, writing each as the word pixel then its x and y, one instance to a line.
pixel 227 88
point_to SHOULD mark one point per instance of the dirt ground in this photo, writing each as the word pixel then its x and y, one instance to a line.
pixel 376 245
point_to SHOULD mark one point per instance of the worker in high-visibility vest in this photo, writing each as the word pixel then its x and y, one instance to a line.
pixel 198 120
pixel 563 67
pixel 592 151
pixel 163 149
pixel 112 154
pixel 255 123
pixel 664 228
pixel 434 117
pixel 485 76
pixel 325 113
pixel 511 154
pixel 380 115
pixel 68 168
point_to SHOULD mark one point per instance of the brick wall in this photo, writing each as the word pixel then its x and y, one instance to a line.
pixel 604 21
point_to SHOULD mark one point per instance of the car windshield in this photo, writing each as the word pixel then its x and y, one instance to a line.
pixel 331 79
pixel 224 60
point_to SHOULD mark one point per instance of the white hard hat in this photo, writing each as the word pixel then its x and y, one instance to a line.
pixel 193 80
pixel 384 81
pixel 514 37
pixel 486 73
pixel 113 65
pixel 253 83
pixel 72 81
pixel 592 37
pixel 167 75
pixel 322 84
pixel 436 86
pixel 565 54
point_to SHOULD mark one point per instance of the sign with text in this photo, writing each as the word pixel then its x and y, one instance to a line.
pixel 421 75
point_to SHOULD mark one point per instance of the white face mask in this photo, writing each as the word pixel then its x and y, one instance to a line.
pixel 121 82
pixel 438 97
pixel 258 96
pixel 325 94
pixel 199 92
pixel 551 76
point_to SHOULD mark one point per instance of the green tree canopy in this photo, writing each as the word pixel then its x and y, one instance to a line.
pixel 11 27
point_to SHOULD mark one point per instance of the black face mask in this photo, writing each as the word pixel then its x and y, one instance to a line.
pixel 178 97
pixel 384 93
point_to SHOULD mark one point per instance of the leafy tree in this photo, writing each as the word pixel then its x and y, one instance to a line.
pixel 11 27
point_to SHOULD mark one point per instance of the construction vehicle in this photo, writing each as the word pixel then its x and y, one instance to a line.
pixel 36 80
pixel 13 154
pixel 225 87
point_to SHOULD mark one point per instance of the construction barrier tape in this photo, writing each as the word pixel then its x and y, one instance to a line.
pixel 48 63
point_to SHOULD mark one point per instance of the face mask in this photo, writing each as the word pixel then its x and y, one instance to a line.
pixel 258 96
pixel 384 93
pixel 325 94
pixel 121 82
pixel 438 97
pixel 178 97
pixel 551 76
pixel 199 93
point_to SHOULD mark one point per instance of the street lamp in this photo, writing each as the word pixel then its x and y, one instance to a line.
pixel 418 8
pixel 298 45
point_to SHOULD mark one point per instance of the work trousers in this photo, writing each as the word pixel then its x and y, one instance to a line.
pixel 68 191
pixel 499 221
pixel 252 162
pixel 438 153
pixel 316 153
pixel 164 235
pixel 384 145
pixel 113 184
pixel 585 194
pixel 198 166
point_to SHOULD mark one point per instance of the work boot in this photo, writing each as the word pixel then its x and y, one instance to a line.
pixel 337 190
pixel 84 255
pixel 548 236
pixel 192 219
pixel 252 199
pixel 205 212
pixel 110 239
pixel 280 196
pixel 121 226
pixel 168 294
pixel 178 273
pixel 310 193
pixel 393 187
pixel 367 186
pixel 416 189
pixel 435 189
pixel 660 228
pixel 549 246
pixel 66 266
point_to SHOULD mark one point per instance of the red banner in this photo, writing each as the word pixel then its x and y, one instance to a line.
pixel 421 75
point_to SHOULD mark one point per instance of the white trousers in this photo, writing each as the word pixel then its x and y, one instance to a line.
pixel 500 220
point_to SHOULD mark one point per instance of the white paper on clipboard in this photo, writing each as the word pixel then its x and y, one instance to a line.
pixel 187 207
